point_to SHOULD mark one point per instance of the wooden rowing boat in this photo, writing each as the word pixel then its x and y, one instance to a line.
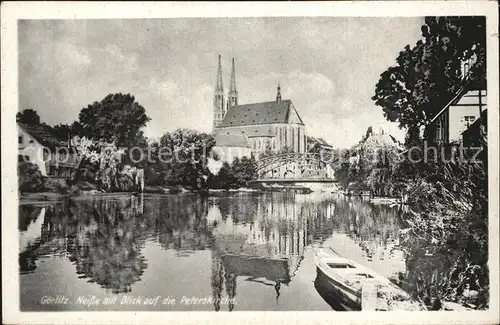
pixel 355 287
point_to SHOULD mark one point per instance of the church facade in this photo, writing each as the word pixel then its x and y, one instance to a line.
pixel 262 127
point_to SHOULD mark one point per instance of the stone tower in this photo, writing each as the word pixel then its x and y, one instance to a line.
pixel 219 109
pixel 232 96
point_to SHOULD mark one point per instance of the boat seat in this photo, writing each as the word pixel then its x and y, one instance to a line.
pixel 340 265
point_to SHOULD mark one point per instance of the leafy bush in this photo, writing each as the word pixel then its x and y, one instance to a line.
pixel 30 177
pixel 183 158
pixel 236 175
pixel 446 234
pixel 56 185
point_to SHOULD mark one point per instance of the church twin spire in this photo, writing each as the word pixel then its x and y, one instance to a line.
pixel 219 86
pixel 278 93
pixel 220 108
pixel 232 97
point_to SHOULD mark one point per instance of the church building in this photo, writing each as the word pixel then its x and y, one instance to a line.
pixel 254 128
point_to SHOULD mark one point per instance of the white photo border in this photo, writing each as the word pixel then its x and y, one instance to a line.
pixel 12 11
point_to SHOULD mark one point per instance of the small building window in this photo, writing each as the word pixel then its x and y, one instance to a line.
pixel 20 139
pixel 21 158
pixel 469 120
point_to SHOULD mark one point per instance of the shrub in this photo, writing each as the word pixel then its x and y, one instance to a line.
pixel 56 185
pixel 30 177
pixel 236 175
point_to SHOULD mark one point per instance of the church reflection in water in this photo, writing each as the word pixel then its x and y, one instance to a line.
pixel 266 244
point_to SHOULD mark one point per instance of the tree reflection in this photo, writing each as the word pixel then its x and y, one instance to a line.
pixel 217 279
pixel 102 237
pixel 106 249
pixel 374 228
pixel 182 223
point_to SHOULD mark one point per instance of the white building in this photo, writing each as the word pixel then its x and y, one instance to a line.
pixel 53 156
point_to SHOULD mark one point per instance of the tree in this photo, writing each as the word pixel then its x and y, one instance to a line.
pixel 234 175
pixel 103 159
pixel 244 170
pixel 63 131
pixel 428 75
pixel 28 116
pixel 225 178
pixel 117 118
pixel 183 157
pixel 30 177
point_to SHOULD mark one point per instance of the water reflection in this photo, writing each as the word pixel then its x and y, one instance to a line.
pixel 257 239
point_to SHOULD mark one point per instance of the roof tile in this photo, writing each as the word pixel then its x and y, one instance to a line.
pixel 257 113
pixel 225 140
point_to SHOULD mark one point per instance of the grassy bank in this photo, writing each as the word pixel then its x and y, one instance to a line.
pixel 445 233
pixel 444 229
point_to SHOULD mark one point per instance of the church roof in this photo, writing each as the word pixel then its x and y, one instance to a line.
pixel 261 131
pixel 258 113
pixel 235 140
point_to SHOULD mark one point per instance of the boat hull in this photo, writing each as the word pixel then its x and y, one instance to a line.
pixel 356 287
pixel 338 295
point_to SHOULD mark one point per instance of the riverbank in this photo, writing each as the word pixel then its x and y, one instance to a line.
pixel 31 198
pixel 444 230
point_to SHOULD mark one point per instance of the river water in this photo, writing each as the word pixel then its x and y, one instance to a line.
pixel 236 251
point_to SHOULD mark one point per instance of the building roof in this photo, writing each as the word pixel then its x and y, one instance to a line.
pixel 44 135
pixel 226 140
pixel 467 85
pixel 318 141
pixel 258 113
pixel 380 138
pixel 263 131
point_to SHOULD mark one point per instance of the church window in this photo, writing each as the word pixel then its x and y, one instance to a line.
pixel 298 140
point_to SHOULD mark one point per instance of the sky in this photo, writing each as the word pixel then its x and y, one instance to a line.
pixel 327 66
